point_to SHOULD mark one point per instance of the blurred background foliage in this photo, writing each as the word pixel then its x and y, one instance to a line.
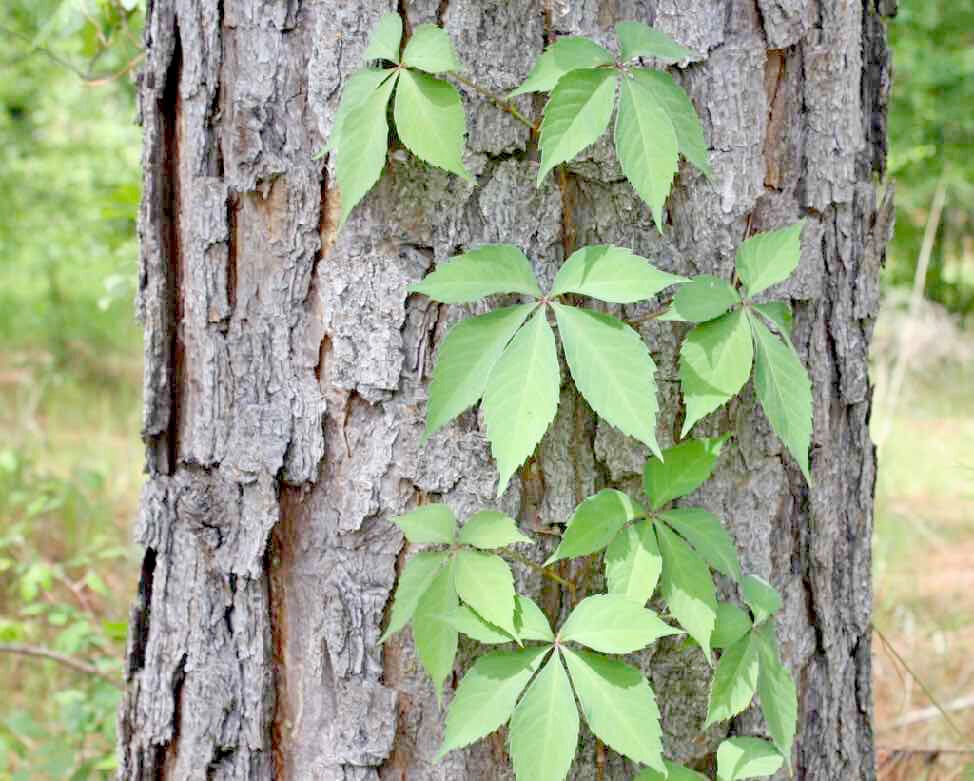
pixel 70 376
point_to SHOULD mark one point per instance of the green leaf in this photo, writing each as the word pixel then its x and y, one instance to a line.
pixel 702 298
pixel 430 121
pixel 763 599
pixel 436 639
pixel 732 624
pixel 486 696
pixel 613 624
pixel 564 55
pixel 544 727
pixel 740 758
pixel 577 113
pixel 362 155
pixel 481 272
pixel 687 587
pixel 385 38
pixel 779 313
pixel 674 771
pixel 735 681
pixel 415 579
pixel 429 49
pixel 785 392
pixel 640 40
pixel 633 563
pixel 357 89
pixel 646 146
pixel 468 622
pixel 683 116
pixel 594 523
pixel 611 274
pixel 703 530
pixel 522 396
pixel 469 352
pixel 428 524
pixel 768 258
pixel 531 623
pixel 618 705
pixel 491 529
pixel 612 369
pixel 687 466
pixel 776 689
pixel 715 362
pixel 484 581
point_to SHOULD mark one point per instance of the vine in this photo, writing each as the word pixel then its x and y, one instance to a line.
pixel 507 360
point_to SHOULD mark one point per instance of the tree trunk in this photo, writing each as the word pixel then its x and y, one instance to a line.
pixel 286 371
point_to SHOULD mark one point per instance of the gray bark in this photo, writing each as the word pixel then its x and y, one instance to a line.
pixel 286 372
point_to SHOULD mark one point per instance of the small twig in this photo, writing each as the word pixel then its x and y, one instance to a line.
pixel 497 100
pixel 926 751
pixel 929 694
pixel 543 570
pixel 927 714
pixel 650 315
pixel 68 661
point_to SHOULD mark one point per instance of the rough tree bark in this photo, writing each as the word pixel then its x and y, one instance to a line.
pixel 286 371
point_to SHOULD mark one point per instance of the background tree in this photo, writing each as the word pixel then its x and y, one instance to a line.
pixel 286 370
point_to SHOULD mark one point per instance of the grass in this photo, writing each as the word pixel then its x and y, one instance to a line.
pixel 924 566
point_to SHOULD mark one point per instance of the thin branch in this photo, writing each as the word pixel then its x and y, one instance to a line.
pixel 570 585
pixel 929 694
pixel 93 79
pixel 497 100
pixel 927 714
pixel 926 751
pixel 68 661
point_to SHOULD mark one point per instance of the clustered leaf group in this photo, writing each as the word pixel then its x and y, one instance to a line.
pixel 508 360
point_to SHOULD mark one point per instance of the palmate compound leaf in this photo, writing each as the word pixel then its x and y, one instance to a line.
pixel 428 524
pixel 490 529
pixel 594 523
pixel 674 771
pixel 544 727
pixel 429 49
pixel 435 637
pixel 633 563
pixel 763 599
pixel 430 120
pixel 735 680
pixel 687 587
pixel 612 369
pixel 704 531
pixel 613 624
pixel 469 352
pixel 362 154
pixel 784 390
pixel 640 40
pixel 522 396
pixel 484 581
pixel 646 145
pixel 768 258
pixel 487 695
pixel 732 624
pixel 715 362
pixel 385 38
pixel 618 705
pixel 676 103
pixel 776 690
pixel 480 272
pixel 612 274
pixel 564 55
pixel 741 758
pixel 577 113
pixel 357 89
pixel 686 467
pixel 417 576
pixel 701 299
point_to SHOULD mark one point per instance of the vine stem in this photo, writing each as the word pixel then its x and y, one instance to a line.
pixel 570 585
pixel 497 100
pixel 650 315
